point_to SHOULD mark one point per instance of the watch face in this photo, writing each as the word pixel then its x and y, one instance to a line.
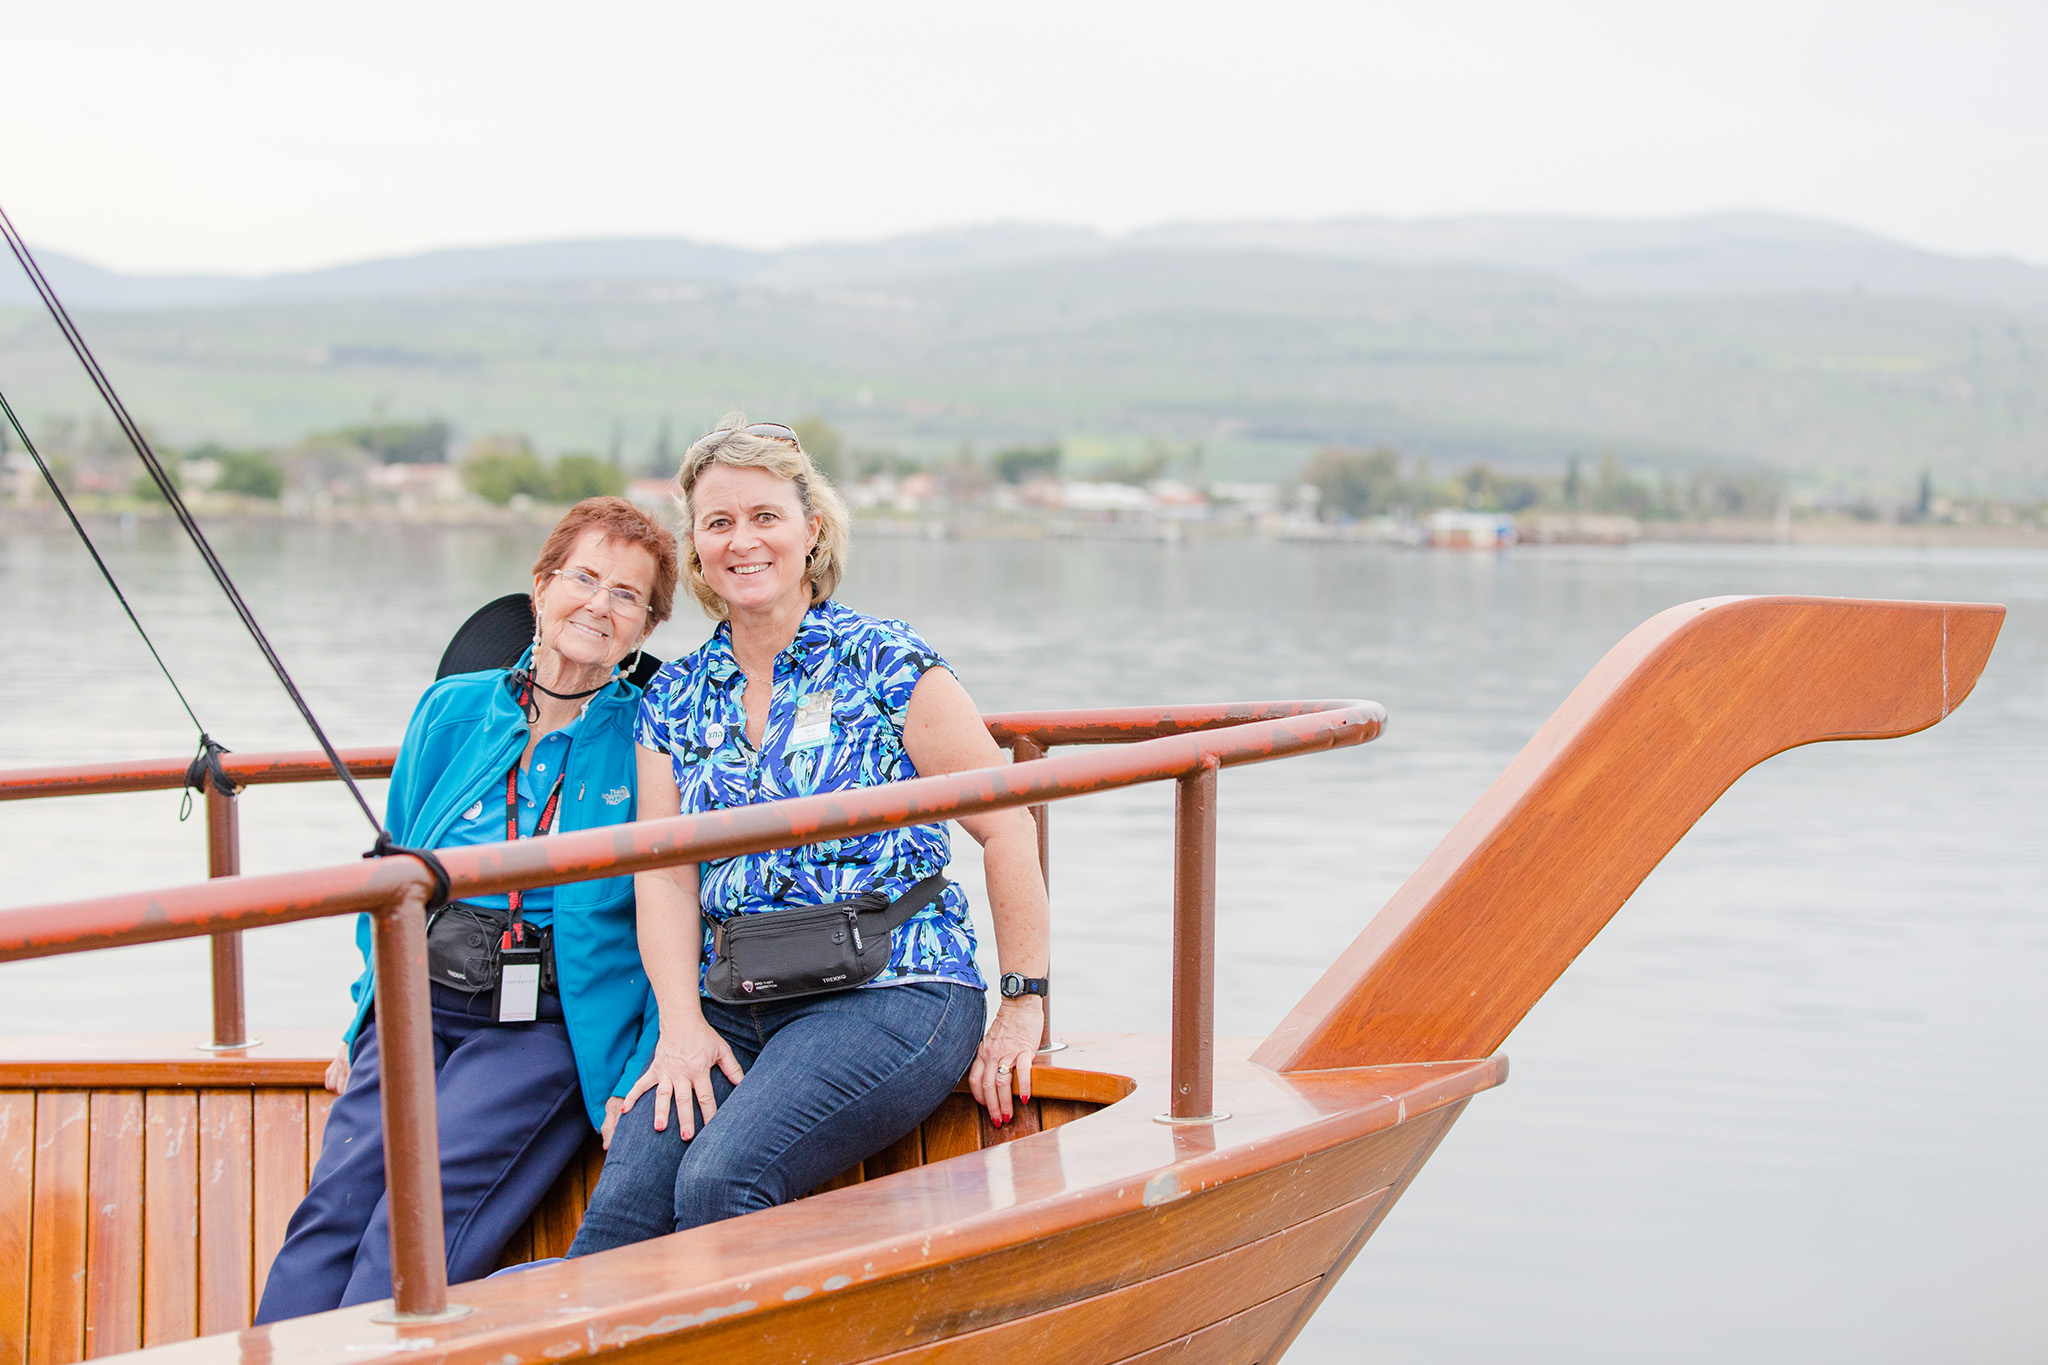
pixel 1012 985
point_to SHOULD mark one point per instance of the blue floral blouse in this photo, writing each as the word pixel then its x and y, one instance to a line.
pixel 835 721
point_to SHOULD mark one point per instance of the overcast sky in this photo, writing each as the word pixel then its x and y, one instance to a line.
pixel 212 135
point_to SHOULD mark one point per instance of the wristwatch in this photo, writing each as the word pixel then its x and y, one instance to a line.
pixel 1014 985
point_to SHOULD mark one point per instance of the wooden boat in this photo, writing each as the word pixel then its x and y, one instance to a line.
pixel 1185 1198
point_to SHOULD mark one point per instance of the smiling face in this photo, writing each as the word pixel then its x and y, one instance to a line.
pixel 752 539
pixel 588 630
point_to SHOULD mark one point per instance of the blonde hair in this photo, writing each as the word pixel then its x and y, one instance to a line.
pixel 732 444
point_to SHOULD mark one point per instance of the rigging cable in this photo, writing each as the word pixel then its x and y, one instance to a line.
pixel 384 845
pixel 206 764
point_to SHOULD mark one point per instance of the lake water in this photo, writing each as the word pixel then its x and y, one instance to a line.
pixel 1788 1107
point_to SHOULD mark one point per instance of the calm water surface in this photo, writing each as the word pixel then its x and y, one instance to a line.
pixel 1789 1106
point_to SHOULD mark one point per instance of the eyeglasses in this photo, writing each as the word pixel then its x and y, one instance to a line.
pixel 625 601
pixel 774 431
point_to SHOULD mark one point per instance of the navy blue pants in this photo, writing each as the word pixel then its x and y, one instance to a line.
pixel 511 1117
pixel 830 1080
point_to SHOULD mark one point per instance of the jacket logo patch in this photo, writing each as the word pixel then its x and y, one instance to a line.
pixel 617 795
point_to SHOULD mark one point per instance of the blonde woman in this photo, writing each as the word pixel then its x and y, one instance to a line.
pixel 754 1100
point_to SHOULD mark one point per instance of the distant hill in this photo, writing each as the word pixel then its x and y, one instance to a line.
pixel 1836 358
pixel 1732 253
pixel 1748 253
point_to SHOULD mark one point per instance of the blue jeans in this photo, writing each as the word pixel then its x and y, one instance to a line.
pixel 830 1081
pixel 510 1116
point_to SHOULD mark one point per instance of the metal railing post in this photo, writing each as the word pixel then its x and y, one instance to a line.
pixel 1024 750
pixel 224 859
pixel 1194 947
pixel 412 1156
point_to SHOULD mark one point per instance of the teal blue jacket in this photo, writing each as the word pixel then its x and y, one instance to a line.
pixel 466 732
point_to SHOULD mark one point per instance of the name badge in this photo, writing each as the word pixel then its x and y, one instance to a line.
pixel 518 999
pixel 813 726
pixel 714 735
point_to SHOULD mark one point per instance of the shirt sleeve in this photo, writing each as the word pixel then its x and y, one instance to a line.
pixel 897 658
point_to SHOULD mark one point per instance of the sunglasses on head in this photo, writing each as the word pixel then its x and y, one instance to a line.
pixel 774 431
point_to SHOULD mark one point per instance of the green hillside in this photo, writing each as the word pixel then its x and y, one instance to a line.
pixel 1258 357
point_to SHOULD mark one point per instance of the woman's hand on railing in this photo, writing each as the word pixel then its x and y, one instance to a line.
pixel 337 1071
pixel 1009 1047
pixel 681 1068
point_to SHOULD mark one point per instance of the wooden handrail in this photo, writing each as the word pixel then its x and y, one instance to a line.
pixel 1688 702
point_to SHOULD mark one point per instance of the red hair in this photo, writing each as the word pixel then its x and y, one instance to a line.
pixel 620 521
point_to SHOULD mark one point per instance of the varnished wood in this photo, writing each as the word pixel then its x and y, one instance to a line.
pixel 17 1196
pixel 1306 1306
pixel 555 1222
pixel 1683 706
pixel 279 1180
pixel 57 1229
pixel 113 1240
pixel 145 1060
pixel 1234 1341
pixel 1023 1122
pixel 915 1298
pixel 227 1170
pixel 170 1216
pixel 954 1129
pixel 1033 1263
pixel 1052 1113
pixel 318 1102
pixel 1160 1309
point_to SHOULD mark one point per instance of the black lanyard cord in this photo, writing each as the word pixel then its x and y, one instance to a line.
pixel 162 478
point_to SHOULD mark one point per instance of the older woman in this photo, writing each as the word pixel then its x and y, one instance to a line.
pixel 529 1046
pixel 795 694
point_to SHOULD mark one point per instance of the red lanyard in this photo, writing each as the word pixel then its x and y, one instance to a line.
pixel 516 931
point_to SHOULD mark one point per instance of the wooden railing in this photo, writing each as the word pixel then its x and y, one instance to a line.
pixel 1188 745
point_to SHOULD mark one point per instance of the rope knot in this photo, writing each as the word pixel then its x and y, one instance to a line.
pixel 205 769
pixel 387 847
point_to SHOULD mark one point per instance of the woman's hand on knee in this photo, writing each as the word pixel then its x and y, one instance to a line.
pixel 613 1107
pixel 681 1070
pixel 337 1072
pixel 1008 1048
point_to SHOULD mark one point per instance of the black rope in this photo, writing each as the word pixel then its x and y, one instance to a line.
pixel 93 550
pixel 386 846
pixel 169 489
pixel 206 763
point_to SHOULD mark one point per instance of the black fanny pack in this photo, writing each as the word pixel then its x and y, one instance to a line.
pixel 810 949
pixel 462 947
